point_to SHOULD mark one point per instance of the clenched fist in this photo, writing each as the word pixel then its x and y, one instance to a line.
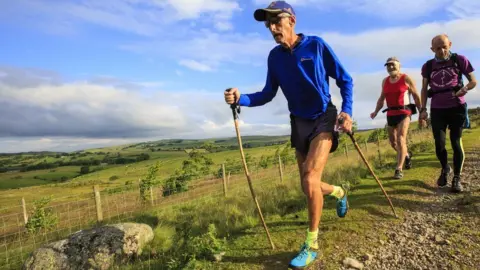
pixel 345 124
pixel 232 95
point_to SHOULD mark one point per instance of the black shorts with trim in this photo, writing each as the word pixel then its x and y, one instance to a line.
pixel 394 120
pixel 305 130
pixel 453 118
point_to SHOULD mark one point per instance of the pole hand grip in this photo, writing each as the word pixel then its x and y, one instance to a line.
pixel 341 120
pixel 235 107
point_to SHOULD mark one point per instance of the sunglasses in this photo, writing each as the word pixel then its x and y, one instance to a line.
pixel 276 19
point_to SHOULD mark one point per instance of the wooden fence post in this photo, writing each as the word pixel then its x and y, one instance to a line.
pixel 98 203
pixel 24 207
pixel 224 180
pixel 151 196
pixel 280 168
pixel 379 152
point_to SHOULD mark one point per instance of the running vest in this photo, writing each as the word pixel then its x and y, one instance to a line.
pixel 397 96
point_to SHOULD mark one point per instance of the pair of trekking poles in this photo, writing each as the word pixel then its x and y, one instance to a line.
pixel 235 112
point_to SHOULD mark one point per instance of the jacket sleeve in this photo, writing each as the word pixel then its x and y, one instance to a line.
pixel 342 78
pixel 266 95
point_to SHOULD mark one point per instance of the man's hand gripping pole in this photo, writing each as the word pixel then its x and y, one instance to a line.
pixel 235 112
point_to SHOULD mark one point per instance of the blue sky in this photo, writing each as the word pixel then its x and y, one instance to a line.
pixel 84 73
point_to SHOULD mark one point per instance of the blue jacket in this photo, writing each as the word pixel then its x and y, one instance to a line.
pixel 303 76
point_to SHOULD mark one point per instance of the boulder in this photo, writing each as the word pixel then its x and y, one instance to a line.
pixel 98 248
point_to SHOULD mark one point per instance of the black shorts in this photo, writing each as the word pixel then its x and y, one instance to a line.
pixel 453 118
pixel 305 130
pixel 394 120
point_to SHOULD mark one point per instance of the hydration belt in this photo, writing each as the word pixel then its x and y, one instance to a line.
pixel 410 107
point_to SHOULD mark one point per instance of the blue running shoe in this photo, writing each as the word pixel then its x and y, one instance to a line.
pixel 342 204
pixel 304 258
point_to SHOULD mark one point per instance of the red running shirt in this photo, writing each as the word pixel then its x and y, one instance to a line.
pixel 396 95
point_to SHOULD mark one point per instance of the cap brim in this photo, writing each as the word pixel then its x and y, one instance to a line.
pixel 261 13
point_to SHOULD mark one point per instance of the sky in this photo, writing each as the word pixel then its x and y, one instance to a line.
pixel 82 74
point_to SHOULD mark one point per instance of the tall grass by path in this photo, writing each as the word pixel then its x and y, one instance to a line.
pixel 244 241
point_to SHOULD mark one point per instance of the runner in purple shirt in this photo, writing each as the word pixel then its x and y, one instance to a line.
pixel 448 107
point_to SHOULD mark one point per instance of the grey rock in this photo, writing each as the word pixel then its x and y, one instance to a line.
pixel 367 257
pixel 350 262
pixel 98 248
pixel 218 257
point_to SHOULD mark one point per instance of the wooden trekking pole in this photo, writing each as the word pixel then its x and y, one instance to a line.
pixel 350 134
pixel 235 111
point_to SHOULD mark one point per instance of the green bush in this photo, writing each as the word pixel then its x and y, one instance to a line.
pixel 41 217
pixel 423 146
pixel 148 181
pixel 84 169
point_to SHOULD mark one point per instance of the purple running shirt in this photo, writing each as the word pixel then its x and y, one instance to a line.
pixel 447 78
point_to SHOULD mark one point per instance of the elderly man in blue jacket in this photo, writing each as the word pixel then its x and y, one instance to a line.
pixel 301 65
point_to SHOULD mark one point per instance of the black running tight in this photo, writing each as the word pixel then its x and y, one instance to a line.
pixel 454 119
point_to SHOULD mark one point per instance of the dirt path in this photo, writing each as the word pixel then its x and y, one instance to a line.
pixel 441 232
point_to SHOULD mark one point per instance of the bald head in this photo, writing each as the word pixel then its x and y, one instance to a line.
pixel 441 46
pixel 440 38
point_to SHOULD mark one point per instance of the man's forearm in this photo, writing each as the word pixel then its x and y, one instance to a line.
pixel 424 98
pixel 418 102
pixel 347 96
pixel 471 85
pixel 379 106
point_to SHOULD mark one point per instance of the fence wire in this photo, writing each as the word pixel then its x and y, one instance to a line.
pixel 80 212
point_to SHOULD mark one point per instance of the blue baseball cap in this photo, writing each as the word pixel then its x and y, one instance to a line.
pixel 276 7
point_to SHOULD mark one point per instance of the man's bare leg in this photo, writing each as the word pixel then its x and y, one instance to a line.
pixel 402 130
pixel 326 188
pixel 392 137
pixel 312 170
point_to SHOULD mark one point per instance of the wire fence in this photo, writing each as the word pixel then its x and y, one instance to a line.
pixel 74 213
pixel 99 207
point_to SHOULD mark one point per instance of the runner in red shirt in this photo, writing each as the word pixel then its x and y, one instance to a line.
pixel 396 90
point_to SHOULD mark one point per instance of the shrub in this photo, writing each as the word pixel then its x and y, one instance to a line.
pixel 148 181
pixel 84 169
pixel 41 217
pixel 423 146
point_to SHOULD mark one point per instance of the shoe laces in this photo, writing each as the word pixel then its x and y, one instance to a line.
pixel 303 251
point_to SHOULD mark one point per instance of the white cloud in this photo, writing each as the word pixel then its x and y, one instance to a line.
pixel 79 115
pixel 223 26
pixel 464 8
pixel 210 47
pixel 72 115
pixel 16 145
pixel 362 50
pixel 141 17
pixel 389 9
pixel 191 9
pixel 407 43
pixel 195 65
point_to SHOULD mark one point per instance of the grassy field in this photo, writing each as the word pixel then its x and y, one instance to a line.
pixel 63 180
pixel 234 217
pixel 183 239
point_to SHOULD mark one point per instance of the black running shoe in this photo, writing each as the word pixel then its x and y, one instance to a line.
pixel 408 161
pixel 443 179
pixel 456 185
pixel 398 174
